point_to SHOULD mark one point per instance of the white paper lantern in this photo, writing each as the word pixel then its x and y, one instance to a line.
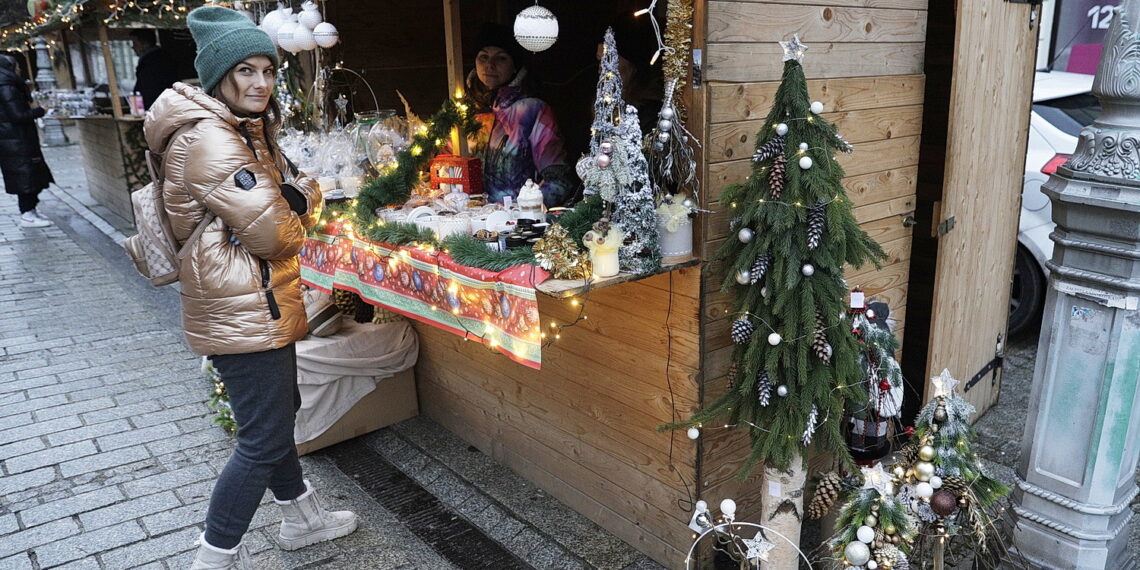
pixel 326 35
pixel 303 38
pixel 310 15
pixel 536 28
pixel 285 37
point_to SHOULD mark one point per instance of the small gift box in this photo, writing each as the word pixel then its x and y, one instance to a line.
pixel 448 171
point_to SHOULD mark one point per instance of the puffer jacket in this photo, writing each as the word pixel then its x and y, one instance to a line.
pixel 21 160
pixel 241 288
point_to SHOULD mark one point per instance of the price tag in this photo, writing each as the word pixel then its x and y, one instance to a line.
pixel 858 300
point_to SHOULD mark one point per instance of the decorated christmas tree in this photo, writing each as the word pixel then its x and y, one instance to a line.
pixel 796 361
pixel 634 210
pixel 602 171
pixel 874 528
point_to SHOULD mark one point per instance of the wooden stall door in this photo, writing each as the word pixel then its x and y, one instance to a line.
pixel 987 133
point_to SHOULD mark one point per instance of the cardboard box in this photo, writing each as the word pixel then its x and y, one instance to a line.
pixel 393 400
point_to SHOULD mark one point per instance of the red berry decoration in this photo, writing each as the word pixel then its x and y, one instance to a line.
pixel 884 385
pixel 943 503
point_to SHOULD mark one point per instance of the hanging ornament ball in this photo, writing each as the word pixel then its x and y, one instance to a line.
pixel 694 433
pixel 687 203
pixel 816 107
pixel 872 565
pixel 303 38
pixel 743 276
pixel 728 507
pixel 936 482
pixel 943 503
pixel 828 351
pixel 310 15
pixel 663 137
pixel 764 292
pixel 940 414
pixel 271 22
pixel 782 129
pixel 606 147
pixel 665 124
pixel 870 313
pixel 857 553
pixel 781 390
pixel 326 35
pixel 745 235
pixel 926 453
pixel 774 339
pixel 923 490
pixel 804 146
pixel 865 534
pixel 923 470
pixel 603 160
pixel 808 270
pixel 285 36
pixel 884 385
pixel 805 162
pixel 666 113
pixel 870 520
pixel 536 28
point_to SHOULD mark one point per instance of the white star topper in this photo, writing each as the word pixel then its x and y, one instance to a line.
pixel 944 384
pixel 793 49
pixel 758 547
pixel 878 479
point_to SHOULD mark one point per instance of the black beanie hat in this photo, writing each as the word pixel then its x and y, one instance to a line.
pixel 503 38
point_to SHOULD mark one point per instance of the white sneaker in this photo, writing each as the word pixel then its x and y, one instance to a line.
pixel 32 219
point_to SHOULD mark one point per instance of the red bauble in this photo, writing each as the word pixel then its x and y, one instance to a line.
pixel 884 385
pixel 943 503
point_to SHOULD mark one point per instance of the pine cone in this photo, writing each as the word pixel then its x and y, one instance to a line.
pixel 956 485
pixel 776 176
pixel 742 330
pixel 826 492
pixel 344 300
pixel 816 218
pixel 759 268
pixel 819 341
pixel 888 555
pixel 732 370
pixel 763 387
pixel 774 147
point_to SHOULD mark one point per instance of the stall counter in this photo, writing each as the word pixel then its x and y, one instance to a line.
pixel 114 159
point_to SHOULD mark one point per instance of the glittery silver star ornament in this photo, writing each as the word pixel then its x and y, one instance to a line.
pixel 757 547
pixel 793 49
pixel 944 384
pixel 878 479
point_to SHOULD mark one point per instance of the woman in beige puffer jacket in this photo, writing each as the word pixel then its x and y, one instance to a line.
pixel 241 290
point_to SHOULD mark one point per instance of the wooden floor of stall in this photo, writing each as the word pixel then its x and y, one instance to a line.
pixel 583 427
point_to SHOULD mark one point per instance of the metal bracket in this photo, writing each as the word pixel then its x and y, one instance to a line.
pixel 698 62
pixel 946 225
pixel 991 366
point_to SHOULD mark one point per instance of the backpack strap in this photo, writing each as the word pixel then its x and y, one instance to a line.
pixel 158 174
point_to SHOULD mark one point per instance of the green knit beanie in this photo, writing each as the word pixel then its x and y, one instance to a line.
pixel 225 38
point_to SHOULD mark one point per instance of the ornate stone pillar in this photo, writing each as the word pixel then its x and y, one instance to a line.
pixel 45 80
pixel 1082 441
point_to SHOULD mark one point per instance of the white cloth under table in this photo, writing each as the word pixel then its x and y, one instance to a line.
pixel 335 372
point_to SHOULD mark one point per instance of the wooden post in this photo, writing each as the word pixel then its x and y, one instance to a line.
pixel 112 80
pixel 783 510
pixel 453 38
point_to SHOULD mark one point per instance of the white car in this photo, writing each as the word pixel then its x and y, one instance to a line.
pixel 1062 105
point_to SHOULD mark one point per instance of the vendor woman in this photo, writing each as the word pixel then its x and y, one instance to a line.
pixel 520 138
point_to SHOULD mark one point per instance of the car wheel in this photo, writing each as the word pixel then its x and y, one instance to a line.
pixel 1028 295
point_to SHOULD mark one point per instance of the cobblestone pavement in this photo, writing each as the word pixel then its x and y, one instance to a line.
pixel 108 451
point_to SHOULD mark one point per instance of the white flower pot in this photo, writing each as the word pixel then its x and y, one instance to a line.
pixel 677 243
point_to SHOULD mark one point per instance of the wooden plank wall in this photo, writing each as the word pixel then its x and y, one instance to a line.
pixel 583 428
pixel 865 64
pixel 102 144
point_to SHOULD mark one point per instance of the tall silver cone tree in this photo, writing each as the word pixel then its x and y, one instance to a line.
pixel 801 299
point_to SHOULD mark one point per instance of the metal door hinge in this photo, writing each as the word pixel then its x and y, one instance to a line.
pixel 946 225
pixel 991 366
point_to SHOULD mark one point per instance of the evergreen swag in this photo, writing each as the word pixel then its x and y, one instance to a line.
pixel 395 186
pixel 792 299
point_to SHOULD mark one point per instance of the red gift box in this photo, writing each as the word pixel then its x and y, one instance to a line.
pixel 454 169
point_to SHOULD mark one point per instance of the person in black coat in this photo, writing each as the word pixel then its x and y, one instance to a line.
pixel 155 71
pixel 26 173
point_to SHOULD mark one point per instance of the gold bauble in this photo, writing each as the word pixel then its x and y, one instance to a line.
pixel 923 470
pixel 871 520
pixel 889 529
pixel 926 453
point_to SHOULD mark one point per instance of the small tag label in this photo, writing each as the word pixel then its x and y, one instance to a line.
pixel 774 488
pixel 245 179
pixel 858 300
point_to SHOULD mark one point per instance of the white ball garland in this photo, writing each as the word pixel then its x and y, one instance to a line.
pixel 782 129
pixel 745 235
pixel 816 107
pixel 781 390
pixel 804 146
pixel 774 339
pixel 808 270
pixel 936 482
pixel 805 162
pixel 694 433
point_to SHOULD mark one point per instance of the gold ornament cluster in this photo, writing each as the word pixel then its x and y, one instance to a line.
pixel 679 39
pixel 557 253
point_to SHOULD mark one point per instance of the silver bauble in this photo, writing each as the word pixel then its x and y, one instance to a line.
pixel 808 270
pixel 782 129
pixel 745 235
pixel 871 520
pixel 665 124
pixel 743 276
pixel 781 390
pixel 666 113
pixel 603 160
pixel 857 553
pixel 805 162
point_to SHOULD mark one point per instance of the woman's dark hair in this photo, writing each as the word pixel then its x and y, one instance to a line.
pixel 271 117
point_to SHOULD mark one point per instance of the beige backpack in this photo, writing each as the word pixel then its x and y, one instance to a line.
pixel 153 249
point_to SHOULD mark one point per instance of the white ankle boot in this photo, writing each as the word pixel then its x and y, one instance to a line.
pixel 305 521
pixel 214 558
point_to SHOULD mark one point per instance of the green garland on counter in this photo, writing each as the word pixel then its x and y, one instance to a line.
pixel 395 186
pixel 401 233
pixel 466 250
pixel 581 219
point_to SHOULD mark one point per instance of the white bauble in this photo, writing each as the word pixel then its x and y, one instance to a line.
pixel 694 433
pixel 808 270
pixel 923 490
pixel 285 37
pixel 536 28
pixel 805 162
pixel 936 482
pixel 310 15
pixel 745 235
pixel 303 38
pixel 326 35
pixel 744 276
pixel 782 390
pixel 271 22
pixel 728 507
pixel 816 107
pixel 872 565
pixel 666 113
pixel 804 146
pixel 782 129
pixel 774 339
pixel 857 553
pixel 865 534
